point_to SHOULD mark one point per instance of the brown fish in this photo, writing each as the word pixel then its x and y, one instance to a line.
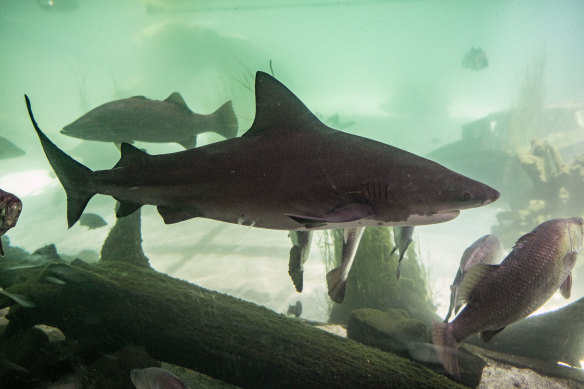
pixel 499 295
pixel 10 207
pixel 487 249
pixel 141 119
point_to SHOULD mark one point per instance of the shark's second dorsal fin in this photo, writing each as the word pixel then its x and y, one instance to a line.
pixel 278 109
pixel 176 98
pixel 131 155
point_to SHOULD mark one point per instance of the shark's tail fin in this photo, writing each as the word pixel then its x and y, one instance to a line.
pixel 74 176
pixel 446 347
pixel 336 285
pixel 225 121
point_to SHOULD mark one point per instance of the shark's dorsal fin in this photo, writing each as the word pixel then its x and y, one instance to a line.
pixel 278 109
pixel 176 98
pixel 131 155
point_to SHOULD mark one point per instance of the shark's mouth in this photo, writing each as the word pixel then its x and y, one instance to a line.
pixel 439 217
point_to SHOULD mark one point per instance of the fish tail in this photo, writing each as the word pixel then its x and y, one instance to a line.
pixel 336 285
pixel 225 121
pixel 75 177
pixel 446 347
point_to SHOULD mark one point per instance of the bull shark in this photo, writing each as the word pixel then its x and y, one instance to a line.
pixel 288 171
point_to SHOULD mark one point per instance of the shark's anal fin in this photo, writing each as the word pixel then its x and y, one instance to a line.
pixel 175 215
pixel 131 155
pixel 566 288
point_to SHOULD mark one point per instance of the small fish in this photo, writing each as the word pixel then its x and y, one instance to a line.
pixel 156 378
pixel 9 150
pixel 298 255
pixel 475 59
pixel 403 238
pixel 10 208
pixel 92 221
pixel 141 119
pixel 499 295
pixel 295 309
pixel 336 279
pixel 487 250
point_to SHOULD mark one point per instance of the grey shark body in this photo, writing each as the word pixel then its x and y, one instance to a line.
pixel 289 171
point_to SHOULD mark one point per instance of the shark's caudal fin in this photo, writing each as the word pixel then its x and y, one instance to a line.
pixel 225 121
pixel 446 347
pixel 75 177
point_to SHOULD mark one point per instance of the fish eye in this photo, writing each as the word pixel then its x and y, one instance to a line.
pixel 466 196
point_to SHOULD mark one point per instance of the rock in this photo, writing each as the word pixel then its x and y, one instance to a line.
pixel 554 336
pixel 394 331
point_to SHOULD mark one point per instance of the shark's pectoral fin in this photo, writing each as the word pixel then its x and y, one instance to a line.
pixel 126 208
pixel 488 335
pixel 341 214
pixel 566 288
pixel 474 277
pixel 175 215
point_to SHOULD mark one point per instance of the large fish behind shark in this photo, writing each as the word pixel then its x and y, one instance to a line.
pixel 141 119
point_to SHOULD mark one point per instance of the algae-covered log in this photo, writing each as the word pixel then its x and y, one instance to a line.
pixel 108 305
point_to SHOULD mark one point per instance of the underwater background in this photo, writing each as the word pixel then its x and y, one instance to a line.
pixel 391 71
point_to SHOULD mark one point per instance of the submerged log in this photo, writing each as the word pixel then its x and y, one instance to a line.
pixel 105 306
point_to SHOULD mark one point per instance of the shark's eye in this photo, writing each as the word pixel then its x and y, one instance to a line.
pixel 466 196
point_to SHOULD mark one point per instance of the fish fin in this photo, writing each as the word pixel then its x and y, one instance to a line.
pixel 341 214
pixel 1 248
pixel 278 109
pixel 190 142
pixel 486 336
pixel 177 99
pixel 75 177
pixel 336 285
pixel 175 215
pixel 472 278
pixel 566 288
pixel 127 208
pixel 308 222
pixel 225 121
pixel 295 268
pixel 131 155
pixel 446 347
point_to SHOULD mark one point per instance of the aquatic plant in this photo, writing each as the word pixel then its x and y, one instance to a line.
pixel 372 282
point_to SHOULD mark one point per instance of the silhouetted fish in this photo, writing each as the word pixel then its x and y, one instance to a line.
pixel 142 119
pixel 499 295
pixel 10 208
pixel 487 250
pixel 9 149
pixel 475 59
pixel 298 255
pixel 92 221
